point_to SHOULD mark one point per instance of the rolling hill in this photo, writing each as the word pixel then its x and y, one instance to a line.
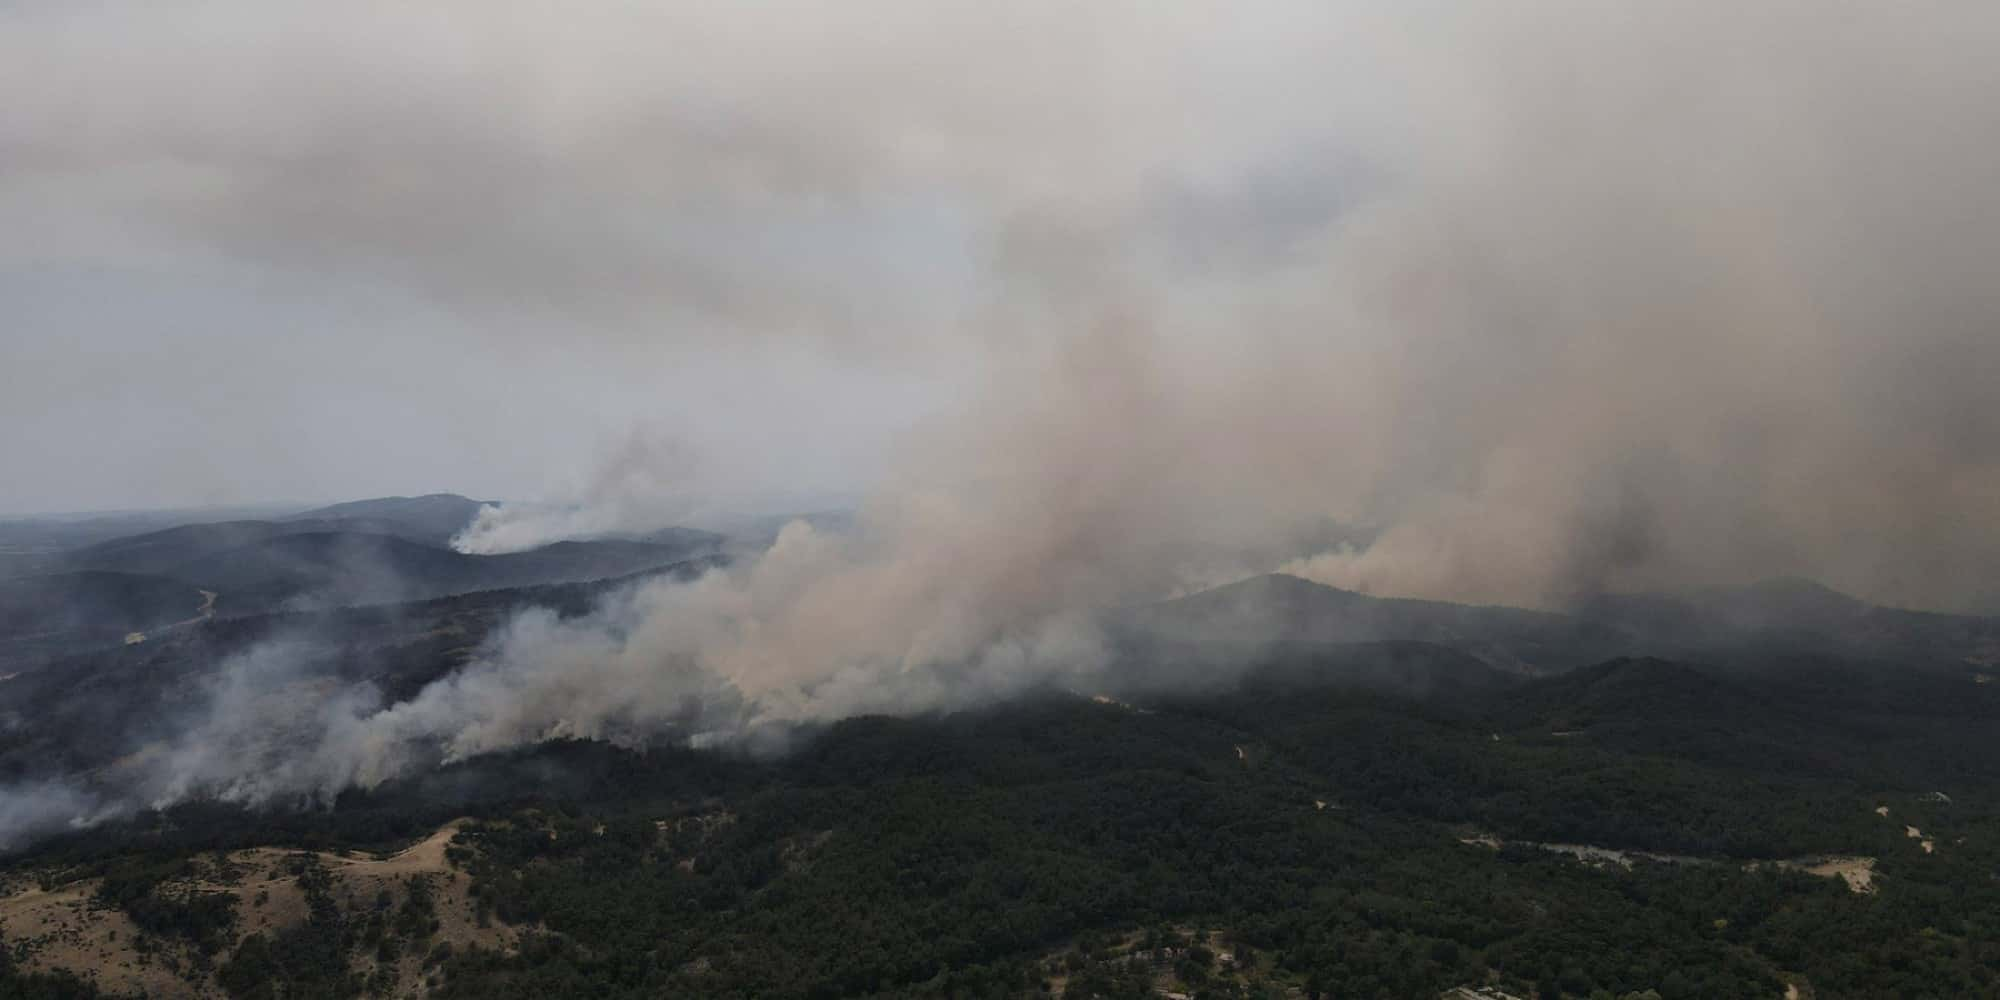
pixel 432 518
pixel 1743 626
pixel 93 600
pixel 164 550
pixel 1281 608
pixel 58 601
pixel 333 568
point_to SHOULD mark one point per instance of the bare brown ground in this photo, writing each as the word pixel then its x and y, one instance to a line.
pixel 1857 872
pixel 63 929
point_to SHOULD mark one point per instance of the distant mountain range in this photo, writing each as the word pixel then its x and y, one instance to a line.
pixel 396 549
pixel 433 518
pixel 1281 608
pixel 104 602
pixel 168 549
pixel 337 568
pixel 1714 624
pixel 384 550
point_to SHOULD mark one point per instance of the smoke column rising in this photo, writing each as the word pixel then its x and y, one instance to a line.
pixel 1553 297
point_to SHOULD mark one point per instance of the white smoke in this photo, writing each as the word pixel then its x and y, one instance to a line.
pixel 267 729
pixel 30 810
pixel 651 480
pixel 1612 321
pixel 517 527
pixel 734 655
pixel 1557 296
pixel 820 627
pixel 1561 295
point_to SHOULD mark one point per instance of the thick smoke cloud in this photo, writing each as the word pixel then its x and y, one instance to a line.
pixel 640 486
pixel 1556 297
pixel 1541 299
pixel 37 809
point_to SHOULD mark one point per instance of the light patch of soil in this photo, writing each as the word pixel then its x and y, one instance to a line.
pixel 65 931
pixel 1594 855
pixel 1857 872
pixel 797 853
pixel 201 614
pixel 1479 993
pixel 1105 699
pixel 1127 954
pixel 359 879
pixel 702 824
pixel 1591 855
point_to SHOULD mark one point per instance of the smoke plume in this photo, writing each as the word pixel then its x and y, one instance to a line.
pixel 1542 299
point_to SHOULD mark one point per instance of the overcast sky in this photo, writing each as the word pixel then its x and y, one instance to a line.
pixel 1555 295
pixel 279 250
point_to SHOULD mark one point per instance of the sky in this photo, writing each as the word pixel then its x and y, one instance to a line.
pixel 1078 306
pixel 1552 296
pixel 296 251
pixel 276 251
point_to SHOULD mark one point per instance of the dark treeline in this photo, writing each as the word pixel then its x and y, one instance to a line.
pixel 1317 832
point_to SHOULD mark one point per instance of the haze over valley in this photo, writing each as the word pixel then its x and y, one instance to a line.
pixel 1317 500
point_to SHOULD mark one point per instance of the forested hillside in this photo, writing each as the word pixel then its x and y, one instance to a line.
pixel 1321 829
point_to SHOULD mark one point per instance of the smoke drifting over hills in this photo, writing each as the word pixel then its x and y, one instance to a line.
pixel 1551 298
pixel 1560 297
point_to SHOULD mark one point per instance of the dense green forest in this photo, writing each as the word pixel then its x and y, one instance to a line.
pixel 1317 830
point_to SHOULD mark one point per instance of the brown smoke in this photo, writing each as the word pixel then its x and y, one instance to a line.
pixel 1552 298
pixel 1638 299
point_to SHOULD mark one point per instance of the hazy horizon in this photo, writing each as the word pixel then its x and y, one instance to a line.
pixel 950 498
pixel 1555 298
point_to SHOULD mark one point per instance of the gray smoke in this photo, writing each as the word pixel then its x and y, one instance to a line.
pixel 644 484
pixel 1550 298
pixel 1557 297
pixel 29 810
pixel 269 727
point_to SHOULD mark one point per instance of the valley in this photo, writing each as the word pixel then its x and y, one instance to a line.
pixel 1384 798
